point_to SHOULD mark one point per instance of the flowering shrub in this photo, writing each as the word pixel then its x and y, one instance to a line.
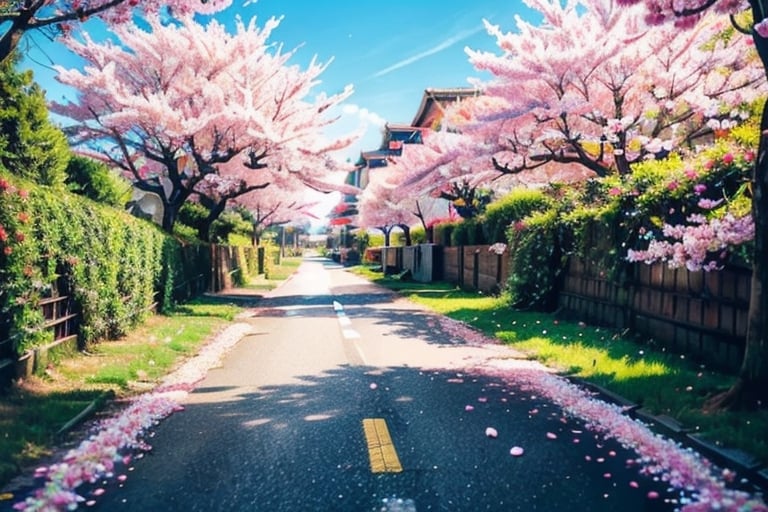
pixel 704 219
pixel 692 212
pixel 22 283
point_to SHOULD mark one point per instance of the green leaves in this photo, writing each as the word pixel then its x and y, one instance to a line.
pixel 55 243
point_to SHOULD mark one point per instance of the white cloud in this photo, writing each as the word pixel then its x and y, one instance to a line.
pixel 365 115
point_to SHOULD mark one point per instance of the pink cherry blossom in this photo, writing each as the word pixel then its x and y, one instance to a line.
pixel 762 28
pixel 693 246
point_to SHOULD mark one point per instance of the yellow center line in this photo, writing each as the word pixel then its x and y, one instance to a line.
pixel 381 450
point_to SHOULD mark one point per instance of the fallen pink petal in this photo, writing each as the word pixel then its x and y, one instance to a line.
pixel 658 457
pixel 516 451
pixel 551 435
pixel 491 432
pixel 469 408
pixel 95 457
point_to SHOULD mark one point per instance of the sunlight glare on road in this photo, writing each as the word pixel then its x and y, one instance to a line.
pixel 394 504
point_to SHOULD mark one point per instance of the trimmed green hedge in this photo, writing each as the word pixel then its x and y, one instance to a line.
pixel 116 267
pixel 515 206
pixel 536 261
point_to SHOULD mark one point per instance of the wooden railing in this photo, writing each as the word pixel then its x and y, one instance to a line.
pixel 61 317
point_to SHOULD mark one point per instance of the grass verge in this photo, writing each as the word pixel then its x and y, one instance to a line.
pixel 661 382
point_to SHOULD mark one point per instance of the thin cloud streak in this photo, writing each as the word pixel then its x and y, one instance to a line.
pixel 440 47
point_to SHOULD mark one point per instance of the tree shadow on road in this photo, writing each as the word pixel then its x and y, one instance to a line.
pixel 301 446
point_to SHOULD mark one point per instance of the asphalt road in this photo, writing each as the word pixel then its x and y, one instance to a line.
pixel 281 424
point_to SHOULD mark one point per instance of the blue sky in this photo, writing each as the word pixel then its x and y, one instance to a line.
pixel 389 51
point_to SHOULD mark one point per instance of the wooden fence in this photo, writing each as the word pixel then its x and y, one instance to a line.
pixel 702 314
pixel 472 267
pixel 62 316
pixel 476 267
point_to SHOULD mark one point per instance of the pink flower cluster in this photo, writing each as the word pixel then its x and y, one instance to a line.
pixel 697 245
pixel 498 248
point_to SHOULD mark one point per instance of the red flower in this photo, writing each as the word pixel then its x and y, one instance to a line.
pixel 19 236
pixel 4 185
pixel 23 193
pixel 23 217
pixel 727 158
pixel 3 234
pixel 749 156
pixel 7 250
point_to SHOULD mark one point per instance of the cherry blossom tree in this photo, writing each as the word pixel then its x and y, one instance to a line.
pixel 595 86
pixel 439 169
pixel 187 109
pixel 379 208
pixel 385 203
pixel 752 385
pixel 57 17
pixel 275 207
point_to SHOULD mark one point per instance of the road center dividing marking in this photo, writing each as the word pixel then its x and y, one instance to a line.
pixel 344 322
pixel 381 450
pixel 354 355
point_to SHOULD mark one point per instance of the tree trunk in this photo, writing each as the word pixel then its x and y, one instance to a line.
pixel 751 389
pixel 386 230
pixel 407 233
pixel 169 216
pixel 214 212
pixel 10 40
